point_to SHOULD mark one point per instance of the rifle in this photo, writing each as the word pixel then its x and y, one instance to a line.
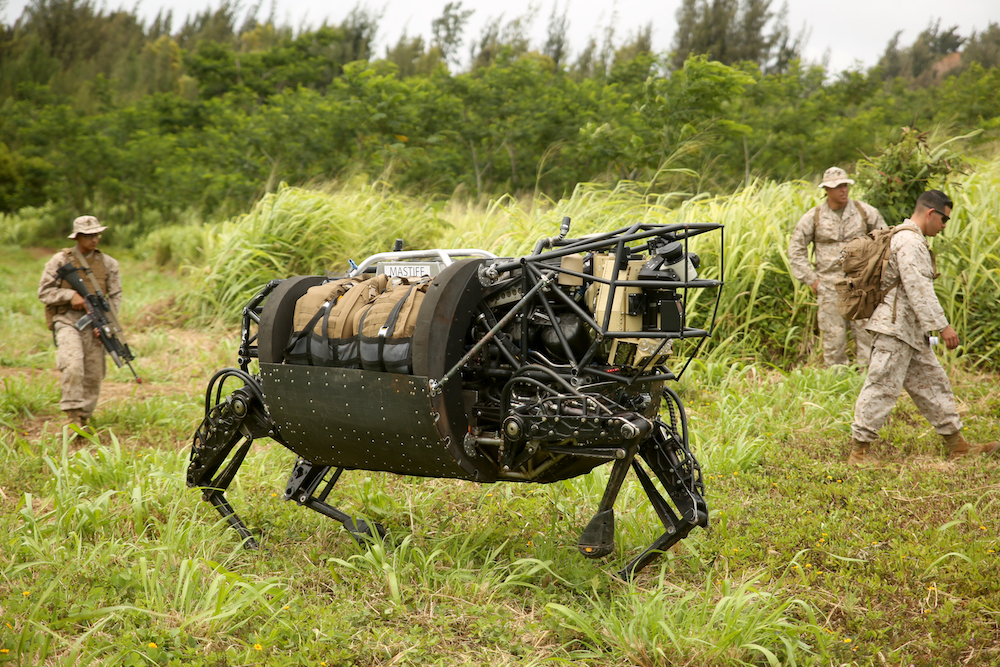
pixel 98 310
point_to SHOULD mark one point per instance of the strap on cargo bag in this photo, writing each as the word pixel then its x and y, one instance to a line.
pixel 389 327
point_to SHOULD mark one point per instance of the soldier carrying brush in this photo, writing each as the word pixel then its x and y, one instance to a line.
pixel 902 355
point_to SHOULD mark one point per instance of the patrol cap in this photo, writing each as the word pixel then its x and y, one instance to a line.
pixel 86 224
pixel 834 176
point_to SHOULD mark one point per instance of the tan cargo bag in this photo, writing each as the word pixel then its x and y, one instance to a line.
pixel 309 342
pixel 386 327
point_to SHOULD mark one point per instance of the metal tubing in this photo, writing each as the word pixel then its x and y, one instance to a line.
pixel 487 314
pixel 575 307
pixel 626 236
pixel 555 322
pixel 446 257
pixel 504 321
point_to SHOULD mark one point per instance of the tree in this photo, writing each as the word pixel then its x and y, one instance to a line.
pixel 496 37
pixel 411 58
pixel 983 47
pixel 731 31
pixel 918 63
pixel 556 41
pixel 447 30
pixel 902 170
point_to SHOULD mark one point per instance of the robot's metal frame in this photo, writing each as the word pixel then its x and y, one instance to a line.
pixel 486 400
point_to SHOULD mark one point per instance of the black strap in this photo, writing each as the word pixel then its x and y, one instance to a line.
pixel 387 328
pixel 307 331
pixel 390 322
pixel 390 326
pixel 326 323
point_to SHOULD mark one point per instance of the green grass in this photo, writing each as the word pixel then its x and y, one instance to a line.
pixel 106 558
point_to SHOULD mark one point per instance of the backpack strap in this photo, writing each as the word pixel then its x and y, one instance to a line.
pixel 863 212
pixel 328 307
pixel 885 263
pixel 390 322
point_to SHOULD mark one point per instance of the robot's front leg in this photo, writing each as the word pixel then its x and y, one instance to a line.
pixel 232 424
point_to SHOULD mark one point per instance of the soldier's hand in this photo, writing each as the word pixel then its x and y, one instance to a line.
pixel 77 302
pixel 950 338
pixel 815 287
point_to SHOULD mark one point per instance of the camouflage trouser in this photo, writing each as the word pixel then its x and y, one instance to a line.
pixel 834 330
pixel 80 357
pixel 894 366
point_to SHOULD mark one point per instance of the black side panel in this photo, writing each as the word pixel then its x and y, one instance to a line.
pixel 351 418
pixel 444 318
pixel 439 341
pixel 276 318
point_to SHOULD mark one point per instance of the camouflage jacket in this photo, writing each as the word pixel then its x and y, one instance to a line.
pixel 829 235
pixel 54 292
pixel 917 309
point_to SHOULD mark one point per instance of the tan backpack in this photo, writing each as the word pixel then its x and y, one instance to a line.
pixel 864 260
pixel 385 328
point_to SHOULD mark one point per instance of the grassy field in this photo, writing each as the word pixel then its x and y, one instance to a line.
pixel 108 559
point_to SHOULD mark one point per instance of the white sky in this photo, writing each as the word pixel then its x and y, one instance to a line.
pixel 850 31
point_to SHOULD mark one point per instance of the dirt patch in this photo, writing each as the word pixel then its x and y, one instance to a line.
pixel 158 314
pixel 35 428
pixel 110 391
pixel 46 253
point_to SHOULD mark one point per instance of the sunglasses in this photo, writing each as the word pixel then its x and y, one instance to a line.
pixel 944 218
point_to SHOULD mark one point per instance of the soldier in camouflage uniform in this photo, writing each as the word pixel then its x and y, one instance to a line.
pixel 902 357
pixel 829 227
pixel 79 354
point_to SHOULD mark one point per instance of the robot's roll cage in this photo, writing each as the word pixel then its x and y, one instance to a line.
pixel 618 433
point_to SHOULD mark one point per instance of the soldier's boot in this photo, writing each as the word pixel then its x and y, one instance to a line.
pixel 85 424
pixel 73 417
pixel 958 447
pixel 859 454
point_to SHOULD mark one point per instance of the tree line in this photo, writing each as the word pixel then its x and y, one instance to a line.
pixel 103 112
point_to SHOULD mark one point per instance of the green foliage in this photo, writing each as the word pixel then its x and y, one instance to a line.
pixel 140 123
pixel 892 180
pixel 917 62
pixel 20 399
pixel 109 559
pixel 968 255
pixel 33 226
pixel 764 316
pixel 983 47
pixel 302 232
pixel 729 622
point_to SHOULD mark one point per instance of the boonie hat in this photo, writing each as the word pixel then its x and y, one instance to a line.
pixel 86 224
pixel 833 177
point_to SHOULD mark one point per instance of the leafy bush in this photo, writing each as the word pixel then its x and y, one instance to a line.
pixel 33 226
pixel 902 171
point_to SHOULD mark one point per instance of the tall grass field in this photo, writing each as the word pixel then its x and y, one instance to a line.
pixel 106 558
